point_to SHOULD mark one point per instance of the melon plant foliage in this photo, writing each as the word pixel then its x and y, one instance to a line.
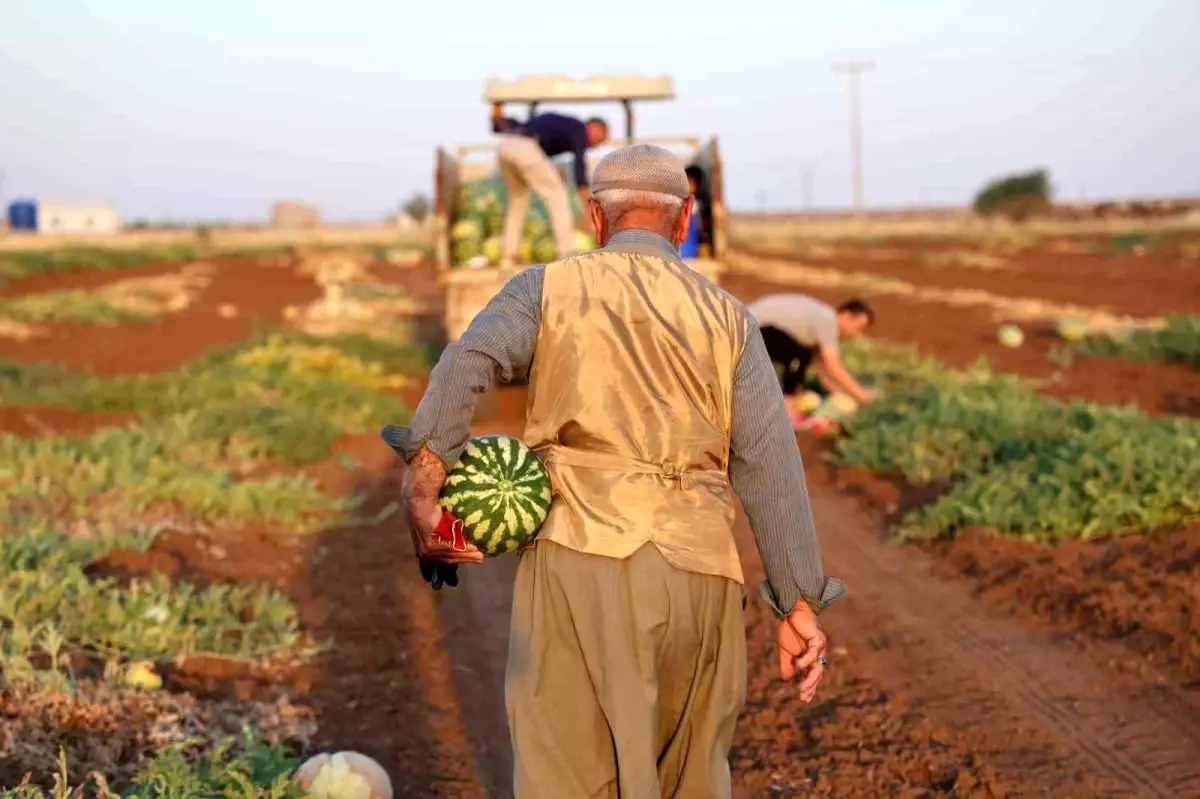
pixel 1015 196
pixel 1178 341
pixel 1015 461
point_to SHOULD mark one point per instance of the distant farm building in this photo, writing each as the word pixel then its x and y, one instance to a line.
pixel 62 218
pixel 294 216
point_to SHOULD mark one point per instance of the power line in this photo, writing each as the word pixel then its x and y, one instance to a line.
pixel 854 70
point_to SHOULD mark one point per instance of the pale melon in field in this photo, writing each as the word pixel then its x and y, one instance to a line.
pixel 1010 336
pixel 345 775
pixel 1073 330
pixel 808 402
pixel 500 491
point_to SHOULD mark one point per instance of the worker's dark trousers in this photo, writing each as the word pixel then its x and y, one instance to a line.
pixel 791 359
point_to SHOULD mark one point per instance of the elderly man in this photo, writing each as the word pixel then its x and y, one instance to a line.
pixel 524 155
pixel 652 401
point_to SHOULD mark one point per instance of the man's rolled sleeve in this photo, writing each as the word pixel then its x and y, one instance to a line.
pixel 499 341
pixel 768 477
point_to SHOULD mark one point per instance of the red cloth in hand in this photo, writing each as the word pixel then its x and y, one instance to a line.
pixel 450 531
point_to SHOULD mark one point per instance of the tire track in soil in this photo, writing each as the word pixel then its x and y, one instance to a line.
pixel 1078 725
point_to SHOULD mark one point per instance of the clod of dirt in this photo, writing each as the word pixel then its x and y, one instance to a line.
pixel 215 676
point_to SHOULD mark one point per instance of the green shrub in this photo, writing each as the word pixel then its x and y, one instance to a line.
pixel 1015 196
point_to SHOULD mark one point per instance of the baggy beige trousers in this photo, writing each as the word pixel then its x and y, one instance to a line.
pixel 625 677
pixel 525 167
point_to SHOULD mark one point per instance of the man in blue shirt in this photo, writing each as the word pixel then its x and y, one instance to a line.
pixel 524 155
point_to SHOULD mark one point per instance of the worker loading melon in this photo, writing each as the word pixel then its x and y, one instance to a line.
pixel 652 404
pixel 524 155
pixel 802 332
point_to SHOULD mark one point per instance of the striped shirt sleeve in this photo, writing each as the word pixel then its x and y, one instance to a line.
pixel 500 341
pixel 767 474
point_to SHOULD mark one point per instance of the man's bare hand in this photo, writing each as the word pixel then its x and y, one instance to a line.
pixel 422 484
pixel 802 649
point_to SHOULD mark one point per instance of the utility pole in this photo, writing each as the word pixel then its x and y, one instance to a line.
pixel 854 70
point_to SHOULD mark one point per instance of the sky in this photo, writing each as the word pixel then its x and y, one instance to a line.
pixel 214 110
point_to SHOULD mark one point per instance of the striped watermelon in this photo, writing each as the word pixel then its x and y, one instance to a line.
pixel 501 492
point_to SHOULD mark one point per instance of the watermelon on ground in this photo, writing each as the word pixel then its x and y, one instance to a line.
pixel 500 491
pixel 1010 336
pixel 1073 330
pixel 808 402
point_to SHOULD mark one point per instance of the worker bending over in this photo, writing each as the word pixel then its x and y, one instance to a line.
pixel 798 330
pixel 524 154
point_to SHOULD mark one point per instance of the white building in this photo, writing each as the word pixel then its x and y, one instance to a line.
pixel 59 218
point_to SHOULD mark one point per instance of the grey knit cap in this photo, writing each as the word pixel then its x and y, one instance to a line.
pixel 642 167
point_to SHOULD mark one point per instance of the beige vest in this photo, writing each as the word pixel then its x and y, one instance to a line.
pixel 630 405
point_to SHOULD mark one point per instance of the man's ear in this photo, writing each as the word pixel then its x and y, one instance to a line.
pixel 684 221
pixel 598 222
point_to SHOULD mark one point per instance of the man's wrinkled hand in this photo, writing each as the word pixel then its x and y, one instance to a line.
pixel 453 549
pixel 438 556
pixel 802 649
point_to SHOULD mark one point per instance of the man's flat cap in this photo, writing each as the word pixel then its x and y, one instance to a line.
pixel 642 167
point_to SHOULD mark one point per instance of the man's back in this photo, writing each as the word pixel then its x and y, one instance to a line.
pixel 631 403
pixel 557 133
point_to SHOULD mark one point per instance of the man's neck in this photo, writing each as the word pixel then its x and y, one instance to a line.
pixel 641 236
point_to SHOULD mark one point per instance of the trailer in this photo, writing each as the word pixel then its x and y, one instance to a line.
pixel 469 289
